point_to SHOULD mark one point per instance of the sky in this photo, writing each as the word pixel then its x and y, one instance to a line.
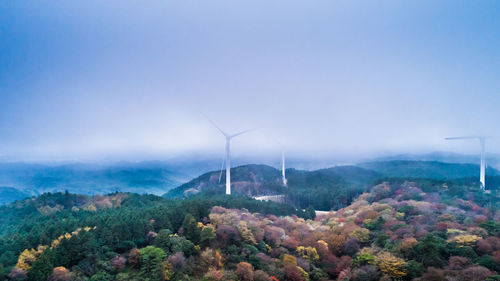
pixel 139 79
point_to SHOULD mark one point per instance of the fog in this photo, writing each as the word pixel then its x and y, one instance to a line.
pixel 134 80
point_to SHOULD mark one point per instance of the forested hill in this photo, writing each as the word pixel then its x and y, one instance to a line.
pixel 330 188
pixel 396 231
pixel 80 231
pixel 324 189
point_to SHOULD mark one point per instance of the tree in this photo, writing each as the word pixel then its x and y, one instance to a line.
pixel 293 273
pixel 336 243
pixel 211 258
pixel 60 274
pixel 162 239
pixel 151 263
pixel 351 247
pixel 431 251
pixel 177 260
pixel 17 274
pixel 244 271
pixel 28 257
pixel 134 258
pixel 289 260
pixel 414 269
pixel 434 274
pixel 260 275
pixel 118 262
pixel 391 265
pixel 476 273
pixel 365 273
pixel 207 235
pixel 42 267
pixel 310 213
pixel 191 229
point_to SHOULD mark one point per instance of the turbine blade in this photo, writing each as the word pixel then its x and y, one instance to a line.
pixel 240 133
pixel 215 125
pixel 222 168
pixel 463 138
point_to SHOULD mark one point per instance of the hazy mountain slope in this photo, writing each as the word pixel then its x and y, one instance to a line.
pixel 448 157
pixel 247 179
pixel 144 177
pixel 425 169
pixel 324 189
pixel 10 194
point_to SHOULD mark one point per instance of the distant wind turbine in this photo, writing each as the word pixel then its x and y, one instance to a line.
pixel 228 160
pixel 482 142
pixel 283 167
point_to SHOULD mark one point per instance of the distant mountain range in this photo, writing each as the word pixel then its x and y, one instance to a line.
pixel 146 177
pixel 182 176
pixel 10 194
pixel 493 160
pixel 426 169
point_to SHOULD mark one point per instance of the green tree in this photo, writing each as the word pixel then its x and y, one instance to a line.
pixel 310 213
pixel 191 229
pixel 162 239
pixel 151 263
pixel 206 236
pixel 431 251
pixel 42 267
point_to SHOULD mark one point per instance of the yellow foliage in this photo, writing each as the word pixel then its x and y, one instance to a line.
pixel 323 243
pixel 168 271
pixel 400 215
pixel 268 248
pixel 303 273
pixel 218 257
pixel 28 257
pixel 289 260
pixel 68 236
pixel 465 240
pixel 246 234
pixel 90 207
pixel 308 252
pixel 391 265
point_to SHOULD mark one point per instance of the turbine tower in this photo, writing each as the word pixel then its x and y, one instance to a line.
pixel 283 167
pixel 482 142
pixel 228 160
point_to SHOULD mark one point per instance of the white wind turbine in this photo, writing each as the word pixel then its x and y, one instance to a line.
pixel 283 167
pixel 228 160
pixel 482 142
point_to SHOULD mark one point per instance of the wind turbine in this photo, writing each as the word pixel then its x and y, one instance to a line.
pixel 228 160
pixel 283 167
pixel 482 142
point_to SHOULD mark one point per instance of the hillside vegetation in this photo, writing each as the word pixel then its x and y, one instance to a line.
pixel 396 231
pixel 332 188
pixel 304 188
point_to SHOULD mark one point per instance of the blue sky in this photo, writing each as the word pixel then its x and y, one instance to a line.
pixel 90 79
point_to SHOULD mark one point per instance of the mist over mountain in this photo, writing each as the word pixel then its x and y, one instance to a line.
pixel 158 177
